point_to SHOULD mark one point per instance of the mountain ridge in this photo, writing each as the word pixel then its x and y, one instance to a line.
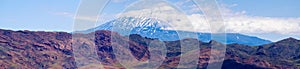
pixel 26 49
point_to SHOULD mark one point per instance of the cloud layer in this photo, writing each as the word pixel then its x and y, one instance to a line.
pixel 259 24
pixel 235 22
pixel 251 24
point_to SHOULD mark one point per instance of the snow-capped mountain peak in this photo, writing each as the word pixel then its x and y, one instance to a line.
pixel 155 28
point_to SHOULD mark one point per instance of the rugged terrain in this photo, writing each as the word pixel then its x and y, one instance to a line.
pixel 31 50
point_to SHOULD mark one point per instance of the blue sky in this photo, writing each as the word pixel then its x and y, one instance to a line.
pixel 270 8
pixel 36 14
pixel 57 15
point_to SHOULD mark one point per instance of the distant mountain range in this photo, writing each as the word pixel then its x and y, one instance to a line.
pixel 154 28
pixel 43 50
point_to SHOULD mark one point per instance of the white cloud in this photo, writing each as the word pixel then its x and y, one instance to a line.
pixel 163 12
pixel 71 15
pixel 199 23
pixel 239 22
pixel 118 1
pixel 87 18
pixel 82 17
pixel 66 14
pixel 181 3
pixel 251 24
pixel 259 24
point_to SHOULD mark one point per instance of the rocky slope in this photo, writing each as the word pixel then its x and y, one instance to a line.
pixel 31 50
pixel 25 49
